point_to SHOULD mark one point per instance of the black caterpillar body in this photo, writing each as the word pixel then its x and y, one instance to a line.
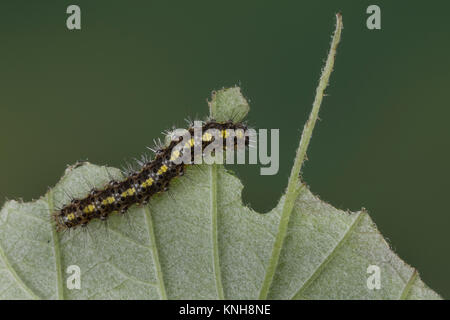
pixel 138 187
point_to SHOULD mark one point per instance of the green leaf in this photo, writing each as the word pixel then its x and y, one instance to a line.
pixel 198 241
pixel 228 104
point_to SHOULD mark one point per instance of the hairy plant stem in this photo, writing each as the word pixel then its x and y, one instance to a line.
pixel 294 184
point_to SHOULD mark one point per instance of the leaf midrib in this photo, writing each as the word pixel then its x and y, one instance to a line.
pixel 57 251
pixel 214 232
pixel 155 254
pixel 294 183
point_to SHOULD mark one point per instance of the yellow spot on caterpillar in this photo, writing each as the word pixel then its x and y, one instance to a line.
pixel 190 143
pixel 89 208
pixel 239 134
pixel 162 169
pixel 108 200
pixel 128 192
pixel 146 183
pixel 207 136
pixel 71 216
pixel 175 155
pixel 225 133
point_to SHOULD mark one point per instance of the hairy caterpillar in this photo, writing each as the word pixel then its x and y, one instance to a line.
pixel 153 177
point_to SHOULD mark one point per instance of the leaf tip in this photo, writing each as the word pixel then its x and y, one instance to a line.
pixel 228 104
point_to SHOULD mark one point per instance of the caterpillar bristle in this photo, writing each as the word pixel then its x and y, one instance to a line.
pixel 189 121
pixel 151 149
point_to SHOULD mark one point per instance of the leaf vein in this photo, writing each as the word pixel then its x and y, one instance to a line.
pixel 155 253
pixel 408 285
pixel 214 231
pixel 15 275
pixel 329 257
pixel 57 252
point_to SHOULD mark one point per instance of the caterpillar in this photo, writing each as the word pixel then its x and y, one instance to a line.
pixel 151 178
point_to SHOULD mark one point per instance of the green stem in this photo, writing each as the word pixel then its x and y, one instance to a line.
pixel 294 184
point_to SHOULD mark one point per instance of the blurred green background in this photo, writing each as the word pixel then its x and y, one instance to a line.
pixel 137 67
